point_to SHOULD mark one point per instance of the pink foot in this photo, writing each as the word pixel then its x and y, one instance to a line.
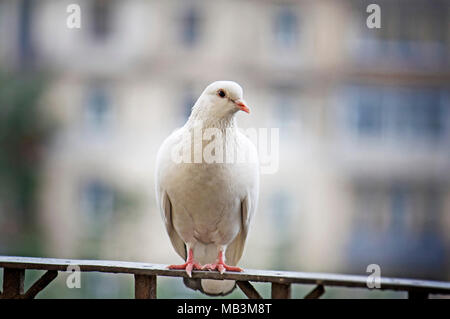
pixel 221 266
pixel 189 265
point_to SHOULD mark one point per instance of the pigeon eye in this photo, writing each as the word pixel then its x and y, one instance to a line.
pixel 221 93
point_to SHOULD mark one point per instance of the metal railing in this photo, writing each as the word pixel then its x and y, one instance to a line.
pixel 145 276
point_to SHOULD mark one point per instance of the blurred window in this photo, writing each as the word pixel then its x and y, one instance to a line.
pixel 286 27
pixel 98 200
pixel 281 210
pixel 190 27
pixel 25 34
pixel 397 207
pixel 188 101
pixel 398 113
pixel 369 113
pixel 416 33
pixel 98 107
pixel 285 111
pixel 101 18
pixel 400 200
pixel 419 22
pixel 398 222
pixel 427 115
pixel 281 219
pixel 417 114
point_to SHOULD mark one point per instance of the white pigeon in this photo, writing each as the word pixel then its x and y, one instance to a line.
pixel 207 205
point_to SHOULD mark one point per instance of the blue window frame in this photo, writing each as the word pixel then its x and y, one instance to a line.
pixel 190 27
pixel 97 107
pixel 286 27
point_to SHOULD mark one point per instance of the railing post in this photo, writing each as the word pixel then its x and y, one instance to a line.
pixel 248 290
pixel 40 284
pixel 144 287
pixel 281 291
pixel 13 280
pixel 316 292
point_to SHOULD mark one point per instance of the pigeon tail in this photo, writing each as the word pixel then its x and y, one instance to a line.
pixel 211 287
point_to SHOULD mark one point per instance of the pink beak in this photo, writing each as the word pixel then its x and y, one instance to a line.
pixel 242 106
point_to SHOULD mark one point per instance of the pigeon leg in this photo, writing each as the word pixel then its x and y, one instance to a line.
pixel 221 266
pixel 189 265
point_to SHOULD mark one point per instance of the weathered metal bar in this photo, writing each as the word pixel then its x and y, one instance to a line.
pixel 399 284
pixel 281 291
pixel 248 289
pixel 144 287
pixel 40 284
pixel 13 280
pixel 316 293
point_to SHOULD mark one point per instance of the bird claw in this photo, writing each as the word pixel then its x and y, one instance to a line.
pixel 188 266
pixel 221 267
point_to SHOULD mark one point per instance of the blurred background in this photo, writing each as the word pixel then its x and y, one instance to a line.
pixel 364 119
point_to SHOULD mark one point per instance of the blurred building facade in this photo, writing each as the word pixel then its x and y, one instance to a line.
pixel 364 118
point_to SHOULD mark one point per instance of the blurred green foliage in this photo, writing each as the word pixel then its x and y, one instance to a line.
pixel 24 130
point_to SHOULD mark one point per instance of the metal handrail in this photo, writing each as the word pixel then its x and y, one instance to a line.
pixel 146 278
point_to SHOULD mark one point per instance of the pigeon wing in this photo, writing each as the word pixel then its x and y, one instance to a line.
pixel 164 203
pixel 234 251
pixel 166 212
pixel 248 205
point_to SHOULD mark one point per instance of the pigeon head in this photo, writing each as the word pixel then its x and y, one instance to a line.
pixel 220 99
